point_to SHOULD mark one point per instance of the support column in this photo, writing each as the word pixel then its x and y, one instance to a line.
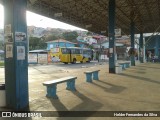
pixel 141 48
pixel 132 43
pixel 157 46
pixel 16 60
pixel 112 47
pixel 144 50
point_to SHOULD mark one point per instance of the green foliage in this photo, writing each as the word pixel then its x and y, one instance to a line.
pixel 1 45
pixel 36 43
pixel 90 46
pixel 89 33
pixel 1 63
pixel 51 37
pixel 70 36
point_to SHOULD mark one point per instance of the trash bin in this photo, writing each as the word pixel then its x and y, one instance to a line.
pixel 118 68
pixel 2 95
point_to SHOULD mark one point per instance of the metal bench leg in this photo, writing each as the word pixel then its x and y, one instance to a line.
pixel 89 77
pixel 51 92
pixel 71 85
pixel 95 75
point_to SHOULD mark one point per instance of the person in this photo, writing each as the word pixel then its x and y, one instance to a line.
pixel 147 55
pixel 150 56
pixel 92 55
pixel 97 56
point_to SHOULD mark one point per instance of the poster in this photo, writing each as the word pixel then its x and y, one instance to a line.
pixel 20 53
pixel 20 36
pixel 8 37
pixel 7 29
pixel 110 50
pixel 9 51
pixel 8 33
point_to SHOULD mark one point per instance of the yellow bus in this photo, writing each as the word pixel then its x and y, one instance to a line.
pixel 72 54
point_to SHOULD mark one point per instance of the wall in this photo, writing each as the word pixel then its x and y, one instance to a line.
pixel 153 44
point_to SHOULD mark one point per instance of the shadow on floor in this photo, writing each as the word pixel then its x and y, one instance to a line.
pixel 86 108
pixel 135 71
pixel 139 72
pixel 135 68
pixel 112 89
pixel 140 78
pixel 148 67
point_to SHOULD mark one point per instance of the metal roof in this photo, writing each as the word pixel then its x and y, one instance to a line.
pixel 93 14
pixel 60 40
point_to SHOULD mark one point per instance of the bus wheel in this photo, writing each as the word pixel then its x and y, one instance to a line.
pixel 65 62
pixel 74 61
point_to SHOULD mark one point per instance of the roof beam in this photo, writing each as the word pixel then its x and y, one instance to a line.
pixel 158 2
pixel 106 8
pixel 149 12
pixel 137 15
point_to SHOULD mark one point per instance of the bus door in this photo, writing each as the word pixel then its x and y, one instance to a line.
pixel 69 55
pixel 78 53
pixel 65 57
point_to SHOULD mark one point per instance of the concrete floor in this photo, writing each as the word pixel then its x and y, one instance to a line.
pixel 135 89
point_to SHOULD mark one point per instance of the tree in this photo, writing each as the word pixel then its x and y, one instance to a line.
pixel 70 36
pixel 89 33
pixel 51 37
pixel 1 45
pixel 36 43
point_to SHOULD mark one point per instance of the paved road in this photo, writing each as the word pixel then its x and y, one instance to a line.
pixel 52 68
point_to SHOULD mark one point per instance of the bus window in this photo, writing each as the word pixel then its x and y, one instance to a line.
pixel 87 53
pixel 77 51
pixel 73 51
pixel 65 51
pixel 81 51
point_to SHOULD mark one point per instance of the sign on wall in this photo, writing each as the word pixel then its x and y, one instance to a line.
pixel 42 58
pixel 32 58
pixel 117 32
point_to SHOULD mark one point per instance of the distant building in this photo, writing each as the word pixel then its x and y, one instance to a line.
pixel 59 43
pixel 90 40
pixel 121 48
pixel 100 38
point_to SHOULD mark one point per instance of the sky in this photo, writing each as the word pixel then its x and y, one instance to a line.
pixel 40 21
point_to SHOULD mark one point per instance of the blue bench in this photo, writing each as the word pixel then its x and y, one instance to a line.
pixel 124 65
pixel 89 75
pixel 52 85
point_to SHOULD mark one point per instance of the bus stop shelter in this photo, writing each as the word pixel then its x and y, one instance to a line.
pixel 102 17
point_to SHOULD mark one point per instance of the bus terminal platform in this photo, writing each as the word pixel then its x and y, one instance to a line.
pixel 135 89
